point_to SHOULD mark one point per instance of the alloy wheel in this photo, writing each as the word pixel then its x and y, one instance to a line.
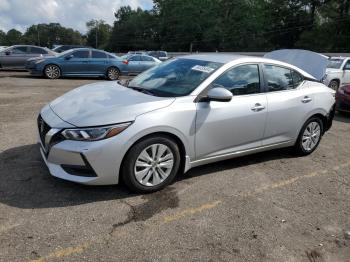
pixel 311 136
pixel 113 74
pixel 52 71
pixel 154 165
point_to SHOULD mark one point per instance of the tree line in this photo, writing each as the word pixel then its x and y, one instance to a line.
pixel 208 25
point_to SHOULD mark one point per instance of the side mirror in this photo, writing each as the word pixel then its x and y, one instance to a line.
pixel 8 53
pixel 69 57
pixel 219 94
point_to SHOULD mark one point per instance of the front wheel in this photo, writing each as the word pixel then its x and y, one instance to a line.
pixel 309 137
pixel 334 84
pixel 151 164
pixel 52 72
pixel 113 73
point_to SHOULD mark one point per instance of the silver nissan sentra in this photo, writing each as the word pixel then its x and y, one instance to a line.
pixel 186 112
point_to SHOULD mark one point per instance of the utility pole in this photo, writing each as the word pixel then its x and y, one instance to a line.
pixel 37 30
pixel 96 29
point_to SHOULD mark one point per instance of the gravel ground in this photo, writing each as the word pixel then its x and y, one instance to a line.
pixel 265 207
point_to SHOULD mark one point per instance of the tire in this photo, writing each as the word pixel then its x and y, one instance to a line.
pixel 334 84
pixel 142 172
pixel 113 73
pixel 309 137
pixel 52 71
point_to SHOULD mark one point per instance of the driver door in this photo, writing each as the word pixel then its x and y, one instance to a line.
pixel 76 62
pixel 228 127
pixel 15 57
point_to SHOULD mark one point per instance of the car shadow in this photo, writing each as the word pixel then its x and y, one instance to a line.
pixel 238 162
pixel 342 117
pixel 25 182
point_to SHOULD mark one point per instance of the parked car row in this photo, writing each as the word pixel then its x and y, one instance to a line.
pixel 42 61
pixel 337 72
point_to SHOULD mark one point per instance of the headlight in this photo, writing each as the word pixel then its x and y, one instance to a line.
pixel 39 61
pixel 94 133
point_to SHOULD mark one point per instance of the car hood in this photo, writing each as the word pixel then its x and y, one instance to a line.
pixel 105 103
pixel 313 63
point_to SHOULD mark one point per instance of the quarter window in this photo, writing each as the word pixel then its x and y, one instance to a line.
pixel 278 78
pixel 96 54
pixel 81 54
pixel 297 78
pixel 241 80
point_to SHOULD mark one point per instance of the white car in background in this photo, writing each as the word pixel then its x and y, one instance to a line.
pixel 337 72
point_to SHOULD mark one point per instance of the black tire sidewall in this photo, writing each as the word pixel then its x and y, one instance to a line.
pixel 107 74
pixel 130 159
pixel 334 81
pixel 299 147
pixel 59 71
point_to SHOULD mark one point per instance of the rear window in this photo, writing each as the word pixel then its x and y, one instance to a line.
pixel 37 50
pixel 97 54
pixel 278 78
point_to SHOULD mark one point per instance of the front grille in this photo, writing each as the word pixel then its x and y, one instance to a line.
pixel 43 128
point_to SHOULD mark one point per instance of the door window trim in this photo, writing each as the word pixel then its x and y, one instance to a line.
pixel 203 93
pixel 266 88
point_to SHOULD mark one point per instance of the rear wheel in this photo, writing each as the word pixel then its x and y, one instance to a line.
pixel 334 84
pixel 52 71
pixel 309 137
pixel 151 164
pixel 113 73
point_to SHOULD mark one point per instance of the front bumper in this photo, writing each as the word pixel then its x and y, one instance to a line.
pixel 90 163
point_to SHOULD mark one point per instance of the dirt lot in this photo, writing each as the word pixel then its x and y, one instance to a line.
pixel 266 207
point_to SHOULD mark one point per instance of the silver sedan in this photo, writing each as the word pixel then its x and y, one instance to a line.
pixel 183 113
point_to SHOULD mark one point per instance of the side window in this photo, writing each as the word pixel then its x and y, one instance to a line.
pixel 278 78
pixel 37 50
pixel 297 78
pixel 240 80
pixel 135 58
pixel 81 54
pixel 97 54
pixel 19 50
pixel 147 58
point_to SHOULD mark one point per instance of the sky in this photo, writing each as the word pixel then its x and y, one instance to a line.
pixel 20 14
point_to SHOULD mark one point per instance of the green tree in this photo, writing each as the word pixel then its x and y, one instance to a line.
pixel 14 37
pixel 2 37
pixel 98 33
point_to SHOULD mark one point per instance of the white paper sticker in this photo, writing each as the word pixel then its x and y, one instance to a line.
pixel 204 69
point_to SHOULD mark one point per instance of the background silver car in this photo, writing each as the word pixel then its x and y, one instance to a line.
pixel 137 63
pixel 185 112
pixel 15 57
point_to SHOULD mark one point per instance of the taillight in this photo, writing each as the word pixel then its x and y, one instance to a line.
pixel 125 62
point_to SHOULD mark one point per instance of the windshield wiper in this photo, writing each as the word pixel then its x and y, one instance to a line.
pixel 142 90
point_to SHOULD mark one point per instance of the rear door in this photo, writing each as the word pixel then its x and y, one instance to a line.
pixel 134 64
pixel 78 63
pixel 98 62
pixel 226 127
pixel 36 51
pixel 147 62
pixel 289 102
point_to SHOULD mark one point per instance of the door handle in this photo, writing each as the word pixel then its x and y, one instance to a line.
pixel 258 107
pixel 306 99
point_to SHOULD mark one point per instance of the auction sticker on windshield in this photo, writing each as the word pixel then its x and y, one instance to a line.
pixel 204 69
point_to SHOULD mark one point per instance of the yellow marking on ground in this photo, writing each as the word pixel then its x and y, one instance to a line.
pixel 191 211
pixel 62 253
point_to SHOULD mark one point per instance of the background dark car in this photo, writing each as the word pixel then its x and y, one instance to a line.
pixel 342 98
pixel 78 62
pixel 62 48
pixel 15 57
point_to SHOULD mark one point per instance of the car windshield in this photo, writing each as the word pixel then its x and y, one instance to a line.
pixel 177 77
pixel 335 63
